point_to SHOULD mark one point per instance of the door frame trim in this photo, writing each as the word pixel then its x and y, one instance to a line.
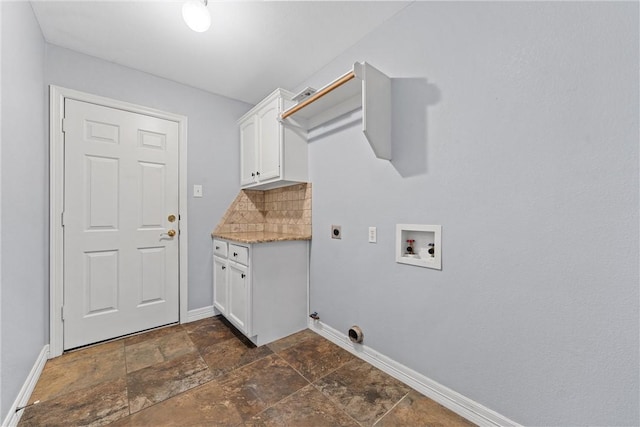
pixel 57 95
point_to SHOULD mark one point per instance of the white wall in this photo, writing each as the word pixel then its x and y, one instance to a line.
pixel 24 193
pixel 516 129
pixel 213 154
pixel 29 65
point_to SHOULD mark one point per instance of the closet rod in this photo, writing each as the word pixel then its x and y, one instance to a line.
pixel 342 80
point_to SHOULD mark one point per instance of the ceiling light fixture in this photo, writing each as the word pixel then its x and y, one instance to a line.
pixel 196 15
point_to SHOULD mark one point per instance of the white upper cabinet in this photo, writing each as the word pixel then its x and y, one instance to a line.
pixel 363 87
pixel 271 155
pixel 269 136
pixel 248 153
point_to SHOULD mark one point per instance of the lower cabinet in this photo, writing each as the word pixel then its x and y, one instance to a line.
pixel 261 288
pixel 220 278
pixel 238 303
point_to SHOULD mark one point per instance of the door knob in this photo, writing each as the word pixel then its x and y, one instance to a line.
pixel 171 218
pixel 171 233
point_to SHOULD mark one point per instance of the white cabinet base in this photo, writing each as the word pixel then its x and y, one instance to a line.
pixel 275 288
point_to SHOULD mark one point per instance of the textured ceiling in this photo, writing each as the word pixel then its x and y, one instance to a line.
pixel 251 48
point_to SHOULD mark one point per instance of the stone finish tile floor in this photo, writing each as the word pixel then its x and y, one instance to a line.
pixel 206 373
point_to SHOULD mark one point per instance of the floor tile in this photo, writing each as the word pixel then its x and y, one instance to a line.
pixel 315 357
pixel 207 332
pixel 163 380
pixel 94 406
pixel 417 410
pixel 90 351
pixel 205 405
pixel 80 370
pixel 206 373
pixel 362 391
pixel 157 350
pixel 232 354
pixel 286 342
pixel 257 386
pixel 306 407
pixel 154 333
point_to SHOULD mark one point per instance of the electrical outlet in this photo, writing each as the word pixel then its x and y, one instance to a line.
pixel 373 234
pixel 336 232
pixel 197 190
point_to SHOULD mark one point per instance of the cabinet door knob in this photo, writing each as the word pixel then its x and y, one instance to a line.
pixel 243 275
pixel 258 173
pixel 217 247
pixel 235 254
pixel 253 174
pixel 224 268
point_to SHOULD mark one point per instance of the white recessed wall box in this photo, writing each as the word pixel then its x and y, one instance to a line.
pixel 419 245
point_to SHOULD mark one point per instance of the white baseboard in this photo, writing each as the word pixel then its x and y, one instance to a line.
pixel 22 399
pixel 461 405
pixel 200 313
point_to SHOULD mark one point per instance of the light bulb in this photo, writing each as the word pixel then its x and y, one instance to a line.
pixel 196 15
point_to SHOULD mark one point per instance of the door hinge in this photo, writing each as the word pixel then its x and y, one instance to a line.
pixel 62 219
pixel 64 125
pixel 62 312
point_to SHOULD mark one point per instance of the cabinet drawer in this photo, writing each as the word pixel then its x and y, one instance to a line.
pixel 220 248
pixel 239 254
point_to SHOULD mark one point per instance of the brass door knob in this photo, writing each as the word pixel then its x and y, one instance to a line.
pixel 171 218
pixel 171 233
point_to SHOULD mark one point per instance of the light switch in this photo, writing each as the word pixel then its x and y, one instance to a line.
pixel 373 234
pixel 197 190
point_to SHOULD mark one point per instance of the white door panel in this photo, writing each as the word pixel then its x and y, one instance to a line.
pixel 248 152
pixel 270 130
pixel 121 184
pixel 238 297
pixel 220 284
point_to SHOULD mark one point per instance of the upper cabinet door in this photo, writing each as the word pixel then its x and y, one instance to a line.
pixel 248 151
pixel 271 155
pixel 269 137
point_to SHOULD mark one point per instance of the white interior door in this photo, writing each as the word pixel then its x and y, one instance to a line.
pixel 120 188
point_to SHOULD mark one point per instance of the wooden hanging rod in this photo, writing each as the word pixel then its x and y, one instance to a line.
pixel 342 80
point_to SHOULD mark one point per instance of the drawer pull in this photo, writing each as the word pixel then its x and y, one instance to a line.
pixel 235 254
pixel 217 247
pixel 243 275
pixel 224 268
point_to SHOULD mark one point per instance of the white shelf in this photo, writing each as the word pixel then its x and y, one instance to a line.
pixel 423 236
pixel 363 87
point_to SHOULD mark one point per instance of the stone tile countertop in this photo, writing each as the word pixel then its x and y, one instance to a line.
pixel 259 236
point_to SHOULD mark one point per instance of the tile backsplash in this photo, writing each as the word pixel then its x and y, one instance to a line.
pixel 280 210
